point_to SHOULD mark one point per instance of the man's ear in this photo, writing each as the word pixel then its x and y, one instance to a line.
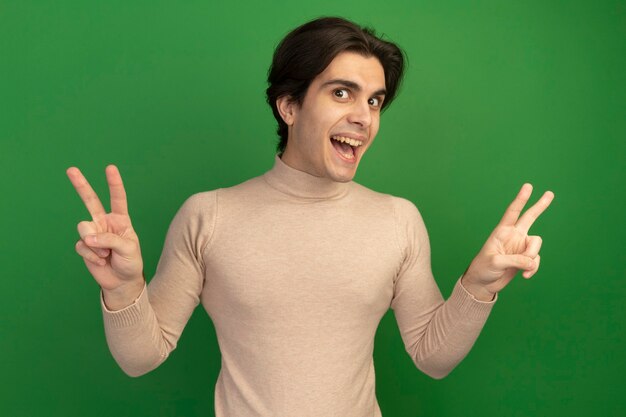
pixel 287 109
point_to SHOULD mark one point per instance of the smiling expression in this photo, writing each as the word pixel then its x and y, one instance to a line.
pixel 342 102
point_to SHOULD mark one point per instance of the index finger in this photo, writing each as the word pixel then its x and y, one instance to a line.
pixel 529 217
pixel 515 208
pixel 86 193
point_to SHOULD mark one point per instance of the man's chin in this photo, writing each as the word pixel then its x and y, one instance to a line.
pixel 341 170
pixel 344 175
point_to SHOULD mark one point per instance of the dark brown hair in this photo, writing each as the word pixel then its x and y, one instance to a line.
pixel 307 50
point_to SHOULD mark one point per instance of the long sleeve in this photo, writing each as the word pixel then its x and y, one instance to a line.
pixel 436 334
pixel 142 335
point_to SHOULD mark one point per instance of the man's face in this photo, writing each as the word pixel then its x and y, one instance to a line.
pixel 343 102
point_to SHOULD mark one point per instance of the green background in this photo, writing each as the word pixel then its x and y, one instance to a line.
pixel 496 94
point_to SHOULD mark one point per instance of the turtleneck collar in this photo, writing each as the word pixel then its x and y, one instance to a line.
pixel 302 184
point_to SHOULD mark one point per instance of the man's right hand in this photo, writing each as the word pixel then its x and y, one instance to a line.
pixel 108 244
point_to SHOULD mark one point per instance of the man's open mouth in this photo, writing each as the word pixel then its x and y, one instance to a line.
pixel 346 147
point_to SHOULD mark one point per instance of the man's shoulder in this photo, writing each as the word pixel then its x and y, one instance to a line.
pixel 396 203
pixel 198 203
pixel 243 185
pixel 242 191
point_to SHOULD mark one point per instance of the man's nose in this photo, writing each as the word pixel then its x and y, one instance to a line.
pixel 360 114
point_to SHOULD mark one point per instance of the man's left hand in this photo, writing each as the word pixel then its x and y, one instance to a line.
pixel 508 248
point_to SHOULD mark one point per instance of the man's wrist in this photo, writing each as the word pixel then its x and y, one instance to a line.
pixel 124 296
pixel 479 292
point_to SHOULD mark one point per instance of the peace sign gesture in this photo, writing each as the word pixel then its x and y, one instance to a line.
pixel 508 248
pixel 108 243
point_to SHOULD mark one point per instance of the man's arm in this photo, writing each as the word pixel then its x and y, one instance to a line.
pixel 142 323
pixel 438 334
pixel 141 336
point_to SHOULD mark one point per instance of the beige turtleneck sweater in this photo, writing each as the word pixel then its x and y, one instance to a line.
pixel 296 272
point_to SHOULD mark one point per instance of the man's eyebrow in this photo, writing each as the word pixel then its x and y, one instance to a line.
pixel 352 85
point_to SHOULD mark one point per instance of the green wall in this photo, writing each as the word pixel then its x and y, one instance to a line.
pixel 496 94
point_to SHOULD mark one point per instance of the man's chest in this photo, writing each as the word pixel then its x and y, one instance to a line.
pixel 306 261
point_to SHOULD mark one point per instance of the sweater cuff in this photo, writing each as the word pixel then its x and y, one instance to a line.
pixel 128 315
pixel 468 305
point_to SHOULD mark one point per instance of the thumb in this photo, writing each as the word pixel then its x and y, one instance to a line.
pixel 124 247
pixel 513 261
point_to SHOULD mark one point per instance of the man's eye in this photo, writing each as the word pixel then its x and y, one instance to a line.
pixel 341 93
pixel 374 101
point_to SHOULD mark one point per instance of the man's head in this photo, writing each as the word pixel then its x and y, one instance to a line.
pixel 331 77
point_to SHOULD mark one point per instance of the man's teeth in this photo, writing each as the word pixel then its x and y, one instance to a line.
pixel 349 141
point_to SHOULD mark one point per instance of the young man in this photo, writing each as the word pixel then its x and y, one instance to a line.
pixel 296 267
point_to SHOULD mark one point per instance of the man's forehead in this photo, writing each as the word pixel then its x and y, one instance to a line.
pixel 366 71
